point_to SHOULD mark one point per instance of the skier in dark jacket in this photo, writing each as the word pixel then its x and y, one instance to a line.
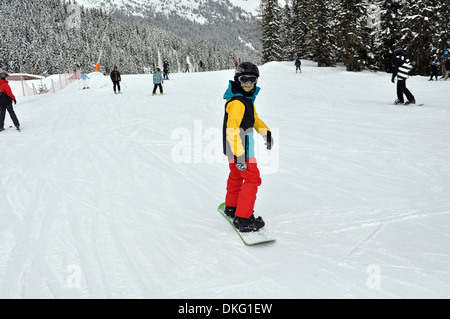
pixel 6 100
pixel 402 67
pixel 115 78
pixel 444 59
pixel 298 65
pixel 165 70
pixel 239 122
pixel 434 71
pixel 447 67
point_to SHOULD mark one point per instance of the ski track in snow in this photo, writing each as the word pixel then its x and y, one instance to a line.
pixel 91 182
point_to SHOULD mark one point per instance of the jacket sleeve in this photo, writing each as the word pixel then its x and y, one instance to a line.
pixel 260 126
pixel 235 110
pixel 8 91
pixel 396 66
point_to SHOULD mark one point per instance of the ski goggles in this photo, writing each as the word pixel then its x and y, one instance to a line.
pixel 248 79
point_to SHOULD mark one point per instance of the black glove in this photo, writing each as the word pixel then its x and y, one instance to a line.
pixel 15 102
pixel 393 80
pixel 268 140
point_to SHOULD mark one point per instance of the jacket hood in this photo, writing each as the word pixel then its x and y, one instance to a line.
pixel 235 90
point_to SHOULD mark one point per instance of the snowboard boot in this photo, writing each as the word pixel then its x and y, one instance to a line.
pixel 410 102
pixel 246 225
pixel 398 102
pixel 2 129
pixel 230 211
pixel 18 128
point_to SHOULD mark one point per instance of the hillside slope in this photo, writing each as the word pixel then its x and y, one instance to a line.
pixel 115 196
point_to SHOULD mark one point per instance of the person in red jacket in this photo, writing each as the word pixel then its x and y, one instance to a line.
pixel 6 100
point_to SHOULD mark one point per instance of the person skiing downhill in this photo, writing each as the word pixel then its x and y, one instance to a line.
pixel 240 120
pixel 402 67
pixel 115 78
pixel 85 80
pixel 6 100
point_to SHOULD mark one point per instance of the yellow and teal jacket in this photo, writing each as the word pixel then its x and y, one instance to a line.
pixel 239 122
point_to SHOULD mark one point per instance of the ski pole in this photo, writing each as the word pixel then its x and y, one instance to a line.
pixel 104 85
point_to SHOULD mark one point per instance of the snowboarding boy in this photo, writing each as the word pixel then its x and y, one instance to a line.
pixel 402 67
pixel 115 78
pixel 6 100
pixel 240 120
pixel 157 81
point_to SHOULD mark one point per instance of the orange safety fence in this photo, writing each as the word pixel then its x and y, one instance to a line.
pixel 64 80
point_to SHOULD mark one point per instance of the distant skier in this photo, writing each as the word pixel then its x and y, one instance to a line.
pixel 157 82
pixel 444 59
pixel 85 80
pixel 6 100
pixel 200 66
pixel 434 71
pixel 186 68
pixel 166 70
pixel 447 67
pixel 298 65
pixel 402 67
pixel 238 145
pixel 115 78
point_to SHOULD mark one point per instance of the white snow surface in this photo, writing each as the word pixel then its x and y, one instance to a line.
pixel 115 196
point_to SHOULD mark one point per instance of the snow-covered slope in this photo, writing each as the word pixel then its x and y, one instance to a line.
pixel 105 195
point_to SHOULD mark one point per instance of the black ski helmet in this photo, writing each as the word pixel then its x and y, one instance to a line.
pixel 397 50
pixel 3 75
pixel 246 68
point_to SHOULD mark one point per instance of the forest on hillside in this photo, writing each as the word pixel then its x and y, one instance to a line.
pixel 53 36
pixel 360 33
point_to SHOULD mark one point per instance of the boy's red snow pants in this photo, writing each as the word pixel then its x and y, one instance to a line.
pixel 242 187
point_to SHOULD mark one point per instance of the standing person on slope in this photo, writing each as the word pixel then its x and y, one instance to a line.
pixel 239 121
pixel 298 64
pixel 115 78
pixel 85 80
pixel 6 100
pixel 157 82
pixel 166 70
pixel 402 67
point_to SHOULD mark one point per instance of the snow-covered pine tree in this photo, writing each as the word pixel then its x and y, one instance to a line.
pixel 352 34
pixel 320 35
pixel 287 34
pixel 418 33
pixel 390 33
pixel 441 37
pixel 300 24
pixel 271 40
